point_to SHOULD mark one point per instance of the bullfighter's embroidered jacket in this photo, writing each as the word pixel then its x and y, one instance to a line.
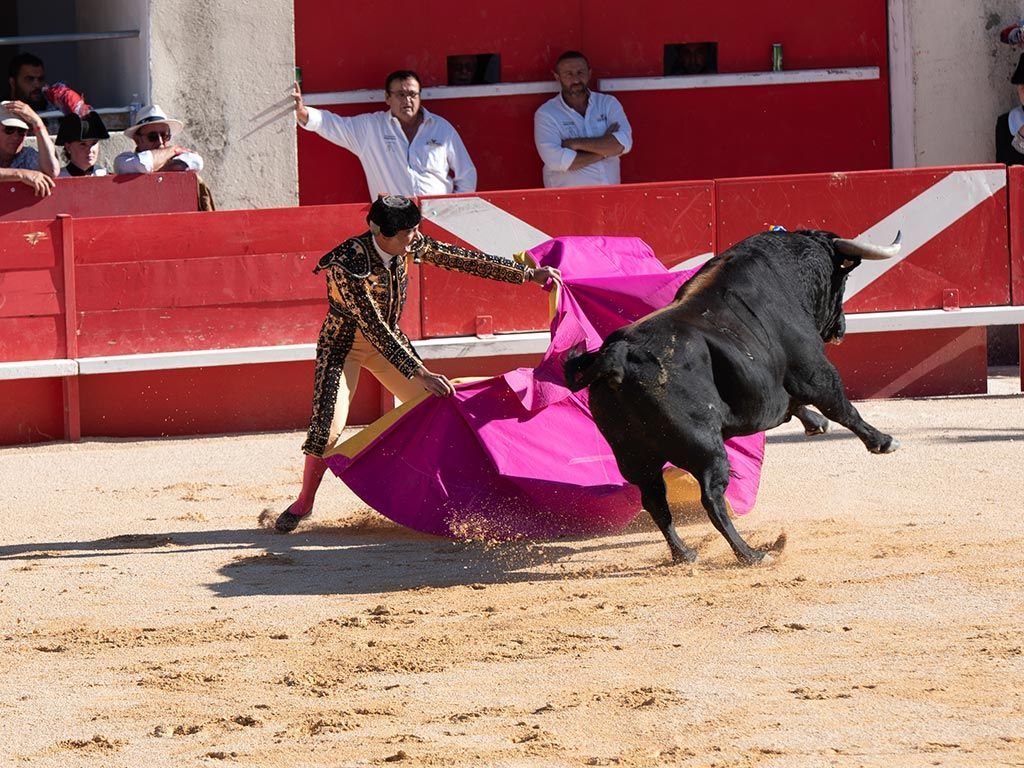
pixel 368 296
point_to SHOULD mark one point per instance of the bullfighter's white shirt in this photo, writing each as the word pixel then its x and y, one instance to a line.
pixel 394 165
pixel 555 120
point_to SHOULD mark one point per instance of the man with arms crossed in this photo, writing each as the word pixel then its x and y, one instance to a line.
pixel 580 133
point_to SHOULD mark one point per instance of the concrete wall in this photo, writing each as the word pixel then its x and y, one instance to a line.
pixel 958 77
pixel 226 69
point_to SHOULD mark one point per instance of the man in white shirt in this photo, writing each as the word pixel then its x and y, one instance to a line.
pixel 152 133
pixel 580 133
pixel 404 150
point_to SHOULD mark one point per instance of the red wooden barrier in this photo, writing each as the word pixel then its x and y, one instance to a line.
pixel 1015 187
pixel 31 282
pixel 102 196
pixel 167 283
pixel 189 281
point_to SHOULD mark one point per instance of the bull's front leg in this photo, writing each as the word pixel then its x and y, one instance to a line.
pixel 828 396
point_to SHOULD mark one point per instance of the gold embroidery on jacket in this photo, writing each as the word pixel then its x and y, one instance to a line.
pixel 365 295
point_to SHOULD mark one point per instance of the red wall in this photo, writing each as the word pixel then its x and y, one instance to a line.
pixel 678 134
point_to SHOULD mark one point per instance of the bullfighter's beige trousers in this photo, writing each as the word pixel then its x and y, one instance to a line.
pixel 363 356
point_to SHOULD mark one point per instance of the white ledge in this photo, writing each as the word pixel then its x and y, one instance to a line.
pixel 201 358
pixel 490 346
pixel 736 79
pixel 929 319
pixel 611 84
pixel 454 347
pixel 376 95
pixel 38 369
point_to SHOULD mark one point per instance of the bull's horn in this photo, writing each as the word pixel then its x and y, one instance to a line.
pixel 867 251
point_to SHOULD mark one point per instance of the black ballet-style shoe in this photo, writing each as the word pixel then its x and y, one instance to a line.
pixel 287 522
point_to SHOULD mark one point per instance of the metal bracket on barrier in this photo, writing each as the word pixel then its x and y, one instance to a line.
pixel 951 299
pixel 484 326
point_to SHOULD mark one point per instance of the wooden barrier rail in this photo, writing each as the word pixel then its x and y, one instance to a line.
pixel 188 323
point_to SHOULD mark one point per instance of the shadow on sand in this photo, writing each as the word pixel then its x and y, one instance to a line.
pixel 357 557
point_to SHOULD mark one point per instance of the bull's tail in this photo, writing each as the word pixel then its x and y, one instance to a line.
pixel 584 368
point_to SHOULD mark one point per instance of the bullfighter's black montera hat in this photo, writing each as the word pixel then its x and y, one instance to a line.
pixel 393 213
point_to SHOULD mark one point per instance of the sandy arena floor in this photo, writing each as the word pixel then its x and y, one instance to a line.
pixel 148 620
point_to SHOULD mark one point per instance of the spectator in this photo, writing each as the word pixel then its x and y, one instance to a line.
pixel 1010 126
pixel 366 289
pixel 580 133
pixel 34 168
pixel 462 69
pixel 27 77
pixel 80 137
pixel 405 149
pixel 152 134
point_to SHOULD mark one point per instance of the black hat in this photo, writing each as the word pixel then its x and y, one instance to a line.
pixel 75 128
pixel 1018 74
pixel 393 213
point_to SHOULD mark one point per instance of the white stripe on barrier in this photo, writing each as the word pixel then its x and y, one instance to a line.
pixel 527 343
pixel 924 217
pixel 694 261
pixel 38 369
pixel 483 225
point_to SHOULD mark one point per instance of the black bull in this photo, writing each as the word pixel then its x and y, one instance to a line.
pixel 741 349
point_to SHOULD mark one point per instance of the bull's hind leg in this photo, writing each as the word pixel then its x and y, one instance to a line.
pixel 714 478
pixel 827 395
pixel 655 501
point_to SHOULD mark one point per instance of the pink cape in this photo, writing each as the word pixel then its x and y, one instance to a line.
pixel 518 455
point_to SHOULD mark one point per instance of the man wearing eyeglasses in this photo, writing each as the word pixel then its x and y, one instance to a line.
pixel 152 133
pixel 36 169
pixel 405 150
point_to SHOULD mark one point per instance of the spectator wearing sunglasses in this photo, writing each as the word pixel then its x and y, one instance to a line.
pixel 34 168
pixel 80 137
pixel 152 133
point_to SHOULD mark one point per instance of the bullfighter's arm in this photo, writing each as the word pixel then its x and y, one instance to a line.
pixel 392 344
pixel 472 262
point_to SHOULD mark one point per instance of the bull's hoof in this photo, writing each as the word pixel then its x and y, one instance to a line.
pixel 815 426
pixel 759 557
pixel 684 556
pixel 765 556
pixel 890 445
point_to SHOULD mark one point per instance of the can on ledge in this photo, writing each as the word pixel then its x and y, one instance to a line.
pixel 776 57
